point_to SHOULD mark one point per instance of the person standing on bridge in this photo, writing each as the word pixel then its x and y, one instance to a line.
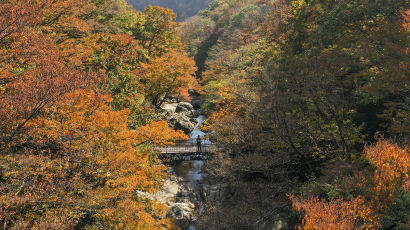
pixel 199 144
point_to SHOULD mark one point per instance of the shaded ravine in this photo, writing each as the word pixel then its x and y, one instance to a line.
pixel 191 171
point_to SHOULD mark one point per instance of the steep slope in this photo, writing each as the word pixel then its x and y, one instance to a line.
pixel 293 90
pixel 75 76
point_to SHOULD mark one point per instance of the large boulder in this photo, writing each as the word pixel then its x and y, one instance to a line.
pixel 196 103
pixel 216 192
pixel 180 116
pixel 184 107
pixel 183 213
pixel 183 123
pixel 169 107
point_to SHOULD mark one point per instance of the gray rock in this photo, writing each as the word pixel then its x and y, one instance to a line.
pixel 180 116
pixel 197 113
pixel 177 195
pixel 196 103
pixel 274 222
pixel 216 192
pixel 190 114
pixel 182 211
pixel 279 225
pixel 181 109
pixel 184 107
pixel 172 120
pixel 184 125
pixel 169 107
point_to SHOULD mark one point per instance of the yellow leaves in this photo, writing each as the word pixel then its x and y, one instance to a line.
pixel 63 18
pixel 84 122
pixel 155 29
pixel 158 133
pixel 137 213
pixel 172 73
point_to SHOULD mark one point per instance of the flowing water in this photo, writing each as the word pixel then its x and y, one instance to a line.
pixel 196 132
pixel 191 170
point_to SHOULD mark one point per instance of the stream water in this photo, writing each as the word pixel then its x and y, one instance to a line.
pixel 191 170
pixel 194 134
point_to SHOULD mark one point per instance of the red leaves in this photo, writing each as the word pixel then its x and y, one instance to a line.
pixel 39 78
pixel 16 15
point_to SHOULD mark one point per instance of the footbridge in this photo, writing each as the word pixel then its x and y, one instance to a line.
pixel 184 150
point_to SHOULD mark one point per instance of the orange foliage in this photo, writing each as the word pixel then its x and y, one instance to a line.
pixel 63 18
pixel 391 174
pixel 66 154
pixel 334 214
pixel 37 78
pixel 392 171
pixel 169 74
pixel 15 15
pixel 406 19
pixel 86 124
pixel 158 133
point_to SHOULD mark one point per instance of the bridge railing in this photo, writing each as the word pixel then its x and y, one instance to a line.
pixel 185 146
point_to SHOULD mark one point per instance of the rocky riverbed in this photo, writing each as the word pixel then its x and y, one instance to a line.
pixel 180 197
pixel 180 115
pixel 184 191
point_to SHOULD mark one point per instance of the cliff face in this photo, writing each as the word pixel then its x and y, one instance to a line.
pixel 183 8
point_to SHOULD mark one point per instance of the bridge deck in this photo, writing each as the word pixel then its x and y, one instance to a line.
pixel 185 147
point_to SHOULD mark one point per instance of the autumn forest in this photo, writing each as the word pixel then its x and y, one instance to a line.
pixel 305 107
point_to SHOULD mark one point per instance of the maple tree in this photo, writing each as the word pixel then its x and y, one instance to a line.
pixel 95 147
pixel 170 74
pixel 119 57
pixel 392 165
pixel 13 18
pixel 155 29
pixel 36 78
pixel 69 87
pixel 368 210
pixel 16 15
pixel 335 214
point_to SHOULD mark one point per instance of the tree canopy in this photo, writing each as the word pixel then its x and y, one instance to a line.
pixel 77 129
pixel 183 8
pixel 295 88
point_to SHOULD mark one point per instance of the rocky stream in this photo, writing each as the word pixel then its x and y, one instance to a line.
pixel 183 192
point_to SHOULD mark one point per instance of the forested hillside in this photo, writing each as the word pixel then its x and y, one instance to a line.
pixel 79 85
pixel 298 93
pixel 183 8
pixel 307 109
